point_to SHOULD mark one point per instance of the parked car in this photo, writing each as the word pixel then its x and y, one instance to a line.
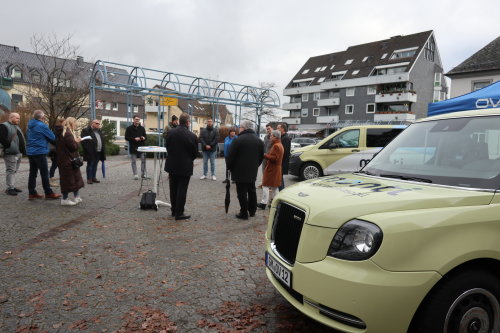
pixel 346 150
pixel 304 141
pixel 408 244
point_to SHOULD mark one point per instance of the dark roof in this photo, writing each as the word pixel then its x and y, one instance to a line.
pixel 488 58
pixel 30 62
pixel 373 51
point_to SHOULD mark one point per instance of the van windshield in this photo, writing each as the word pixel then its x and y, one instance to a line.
pixel 461 152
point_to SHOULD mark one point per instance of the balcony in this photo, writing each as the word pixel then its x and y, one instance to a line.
pixel 292 121
pixel 327 119
pixel 291 106
pixel 329 101
pixel 392 97
pixel 394 116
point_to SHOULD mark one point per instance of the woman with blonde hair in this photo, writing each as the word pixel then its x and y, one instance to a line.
pixel 67 149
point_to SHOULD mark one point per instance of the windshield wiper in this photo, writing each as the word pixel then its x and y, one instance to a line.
pixel 416 179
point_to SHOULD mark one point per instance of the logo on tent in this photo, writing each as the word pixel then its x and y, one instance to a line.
pixel 483 103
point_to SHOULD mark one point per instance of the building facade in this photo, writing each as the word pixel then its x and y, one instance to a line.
pixel 476 72
pixel 388 81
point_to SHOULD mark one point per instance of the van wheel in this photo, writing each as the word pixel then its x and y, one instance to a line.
pixel 311 170
pixel 468 302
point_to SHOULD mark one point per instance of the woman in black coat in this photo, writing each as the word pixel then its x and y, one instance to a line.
pixel 67 149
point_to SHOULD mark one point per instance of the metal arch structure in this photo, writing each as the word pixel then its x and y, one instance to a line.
pixel 140 81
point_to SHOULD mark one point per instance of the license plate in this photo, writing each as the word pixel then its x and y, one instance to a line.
pixel 278 270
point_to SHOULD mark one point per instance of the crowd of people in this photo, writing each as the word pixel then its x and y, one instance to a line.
pixel 244 153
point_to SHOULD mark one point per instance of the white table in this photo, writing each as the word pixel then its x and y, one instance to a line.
pixel 156 175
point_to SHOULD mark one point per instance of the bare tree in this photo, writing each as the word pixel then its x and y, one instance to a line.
pixel 59 79
pixel 263 114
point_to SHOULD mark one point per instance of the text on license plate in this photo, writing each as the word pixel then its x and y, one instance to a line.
pixel 278 270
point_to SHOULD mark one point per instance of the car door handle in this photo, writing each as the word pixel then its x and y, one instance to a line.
pixel 355 150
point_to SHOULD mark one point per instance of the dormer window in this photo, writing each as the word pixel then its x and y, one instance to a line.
pixel 60 80
pixel 36 77
pixel 337 76
pixel 16 73
pixel 404 53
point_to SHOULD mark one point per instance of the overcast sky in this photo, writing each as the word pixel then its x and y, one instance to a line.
pixel 245 41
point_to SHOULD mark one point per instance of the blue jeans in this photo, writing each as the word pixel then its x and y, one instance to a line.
pixel 92 169
pixel 38 162
pixel 209 155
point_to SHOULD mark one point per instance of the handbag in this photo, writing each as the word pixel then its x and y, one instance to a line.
pixel 148 200
pixel 77 162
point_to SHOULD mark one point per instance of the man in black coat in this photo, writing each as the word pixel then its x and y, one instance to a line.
pixel 287 145
pixel 93 149
pixel 182 148
pixel 136 136
pixel 245 156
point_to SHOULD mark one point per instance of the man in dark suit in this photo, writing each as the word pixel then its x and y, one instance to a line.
pixel 287 145
pixel 93 149
pixel 182 147
pixel 245 156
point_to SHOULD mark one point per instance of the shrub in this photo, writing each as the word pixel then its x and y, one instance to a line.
pixel 112 149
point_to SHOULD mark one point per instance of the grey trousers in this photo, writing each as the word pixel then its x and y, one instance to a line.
pixel 12 163
pixel 143 163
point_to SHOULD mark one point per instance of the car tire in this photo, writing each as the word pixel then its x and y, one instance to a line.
pixel 466 302
pixel 311 170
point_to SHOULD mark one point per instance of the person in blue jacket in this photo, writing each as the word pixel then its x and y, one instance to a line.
pixel 227 142
pixel 38 137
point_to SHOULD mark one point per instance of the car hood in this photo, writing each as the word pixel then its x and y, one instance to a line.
pixel 331 201
pixel 303 149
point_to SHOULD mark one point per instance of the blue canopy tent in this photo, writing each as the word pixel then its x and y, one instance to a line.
pixel 486 98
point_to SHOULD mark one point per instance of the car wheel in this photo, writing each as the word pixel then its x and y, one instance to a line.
pixel 468 302
pixel 311 170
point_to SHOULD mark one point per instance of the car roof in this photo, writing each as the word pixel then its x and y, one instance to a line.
pixel 462 114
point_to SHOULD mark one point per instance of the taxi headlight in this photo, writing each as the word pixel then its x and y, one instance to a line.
pixel 297 154
pixel 356 240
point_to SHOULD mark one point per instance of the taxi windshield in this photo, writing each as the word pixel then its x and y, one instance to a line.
pixel 461 152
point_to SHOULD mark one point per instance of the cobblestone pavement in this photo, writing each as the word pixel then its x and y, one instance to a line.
pixel 107 266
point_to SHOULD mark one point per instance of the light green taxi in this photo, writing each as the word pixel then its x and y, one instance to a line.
pixel 411 243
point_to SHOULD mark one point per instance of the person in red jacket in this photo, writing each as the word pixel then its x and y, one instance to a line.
pixel 272 173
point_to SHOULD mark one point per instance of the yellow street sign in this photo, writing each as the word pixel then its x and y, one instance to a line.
pixel 169 101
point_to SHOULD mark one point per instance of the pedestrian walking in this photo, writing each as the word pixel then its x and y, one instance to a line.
pixel 38 137
pixel 209 137
pixel 271 179
pixel 70 176
pixel 245 157
pixel 182 148
pixel 136 136
pixel 14 146
pixel 227 143
pixel 93 149
pixel 287 145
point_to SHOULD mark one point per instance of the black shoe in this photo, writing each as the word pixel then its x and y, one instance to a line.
pixel 182 217
pixel 251 214
pixel 225 181
pixel 11 191
pixel 17 190
pixel 261 206
pixel 241 216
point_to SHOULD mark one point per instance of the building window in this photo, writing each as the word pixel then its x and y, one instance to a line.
pixel 16 99
pixel 383 56
pixel 437 79
pixel 136 108
pixel 480 85
pixel 429 49
pixel 333 94
pixel 364 59
pixel 304 113
pixel 350 91
pixel 316 112
pixel 108 106
pixel 348 61
pixel 371 90
pixel 388 71
pixel 305 71
pixel 349 109
pixel 16 73
pixel 406 53
pixel 437 96
pixel 355 72
pixel 321 79
pixel 317 69
pixel 114 106
pixel 294 114
pixel 332 67
pixel 316 96
pixel 36 77
pixel 305 97
pixel 370 108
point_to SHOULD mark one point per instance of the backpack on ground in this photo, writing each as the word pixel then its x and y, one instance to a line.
pixel 148 200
